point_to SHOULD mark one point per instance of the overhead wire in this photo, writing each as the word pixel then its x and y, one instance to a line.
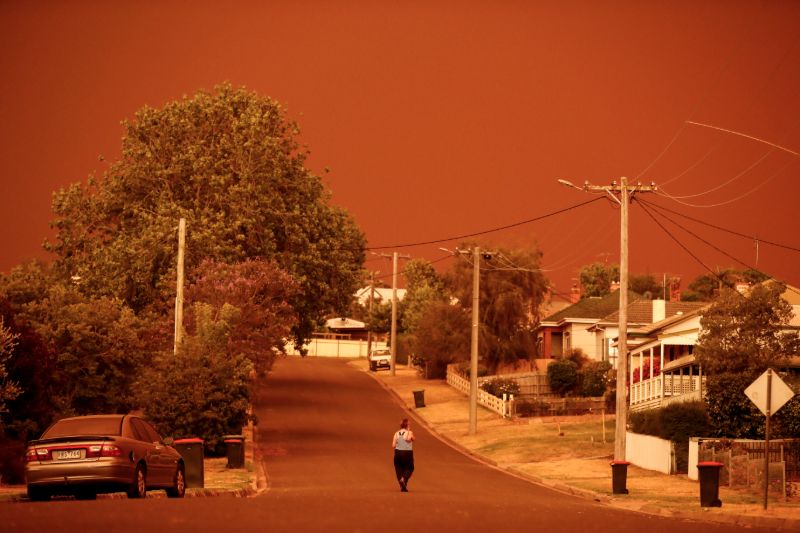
pixel 767 82
pixel 484 232
pixel 707 243
pixel 715 226
pixel 702 98
pixel 685 248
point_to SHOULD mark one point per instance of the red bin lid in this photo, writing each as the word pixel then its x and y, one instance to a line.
pixel 187 441
pixel 710 463
pixel 619 463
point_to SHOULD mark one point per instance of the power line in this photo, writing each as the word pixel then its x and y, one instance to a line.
pixel 732 232
pixel 746 136
pixel 719 277
pixel 721 185
pixel 685 248
pixel 702 98
pixel 501 228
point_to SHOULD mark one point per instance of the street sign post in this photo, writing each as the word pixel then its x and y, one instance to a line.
pixel 769 392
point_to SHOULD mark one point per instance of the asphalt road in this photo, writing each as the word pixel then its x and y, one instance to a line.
pixel 325 432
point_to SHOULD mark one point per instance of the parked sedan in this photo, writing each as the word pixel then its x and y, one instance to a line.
pixel 86 455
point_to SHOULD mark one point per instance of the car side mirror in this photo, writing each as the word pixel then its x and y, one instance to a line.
pixel 169 441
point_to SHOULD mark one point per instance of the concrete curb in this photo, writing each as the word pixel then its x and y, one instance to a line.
pixel 261 481
pixel 650 509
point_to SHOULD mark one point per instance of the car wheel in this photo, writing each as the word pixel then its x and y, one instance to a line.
pixel 179 488
pixel 373 367
pixel 138 488
pixel 38 494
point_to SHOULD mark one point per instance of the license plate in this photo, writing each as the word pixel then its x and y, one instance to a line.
pixel 67 454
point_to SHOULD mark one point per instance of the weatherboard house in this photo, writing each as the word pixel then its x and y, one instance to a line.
pixel 592 324
pixel 662 365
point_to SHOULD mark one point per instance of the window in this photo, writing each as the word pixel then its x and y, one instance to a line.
pixel 88 425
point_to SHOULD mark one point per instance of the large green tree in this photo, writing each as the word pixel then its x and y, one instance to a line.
pixel 742 336
pixel 230 163
pixel 8 388
pixel 596 279
pixel 512 289
pixel 258 291
pixel 424 286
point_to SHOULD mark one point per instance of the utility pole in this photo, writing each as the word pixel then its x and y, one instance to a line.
pixel 394 315
pixel 473 352
pixel 620 193
pixel 393 347
pixel 371 298
pixel 179 295
pixel 477 254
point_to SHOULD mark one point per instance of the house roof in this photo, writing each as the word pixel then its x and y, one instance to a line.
pixel 648 329
pixel 641 311
pixel 344 324
pixel 590 308
pixel 380 294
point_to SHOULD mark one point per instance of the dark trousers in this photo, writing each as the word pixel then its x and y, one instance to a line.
pixel 403 464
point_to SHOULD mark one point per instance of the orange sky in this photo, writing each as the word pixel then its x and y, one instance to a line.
pixel 443 118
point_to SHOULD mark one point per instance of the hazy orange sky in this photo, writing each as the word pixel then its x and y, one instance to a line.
pixel 440 119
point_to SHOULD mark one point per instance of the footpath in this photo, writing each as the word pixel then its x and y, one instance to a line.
pixel 569 454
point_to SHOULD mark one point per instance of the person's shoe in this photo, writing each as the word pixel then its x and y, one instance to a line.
pixel 404 489
pixel 403 485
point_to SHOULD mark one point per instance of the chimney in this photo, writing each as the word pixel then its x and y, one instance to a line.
pixel 575 294
pixel 659 310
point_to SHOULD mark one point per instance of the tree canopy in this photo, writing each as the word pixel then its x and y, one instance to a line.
pixel 596 279
pixel 512 290
pixel 742 336
pixel 230 163
pixel 424 286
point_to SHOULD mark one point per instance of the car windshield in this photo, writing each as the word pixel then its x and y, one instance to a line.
pixel 85 426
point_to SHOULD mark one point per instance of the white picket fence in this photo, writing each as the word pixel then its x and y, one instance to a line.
pixel 502 406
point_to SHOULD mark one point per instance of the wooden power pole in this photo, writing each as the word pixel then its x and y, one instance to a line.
pixel 179 292
pixel 622 194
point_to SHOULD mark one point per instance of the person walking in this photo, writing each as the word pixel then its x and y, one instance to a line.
pixel 402 443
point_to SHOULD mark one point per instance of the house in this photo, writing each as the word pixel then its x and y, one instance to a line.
pixel 570 328
pixel 662 365
pixel 379 295
pixel 641 313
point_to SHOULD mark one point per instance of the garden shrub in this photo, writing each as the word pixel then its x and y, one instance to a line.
pixel 562 376
pixel 499 386
pixel 595 378
pixel 195 393
pixel 676 422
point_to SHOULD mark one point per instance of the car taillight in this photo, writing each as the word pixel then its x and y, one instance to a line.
pixel 37 454
pixel 103 450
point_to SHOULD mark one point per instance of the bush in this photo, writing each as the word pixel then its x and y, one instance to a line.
pixel 198 394
pixel 562 376
pixel 595 378
pixel 676 422
pixel 499 386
